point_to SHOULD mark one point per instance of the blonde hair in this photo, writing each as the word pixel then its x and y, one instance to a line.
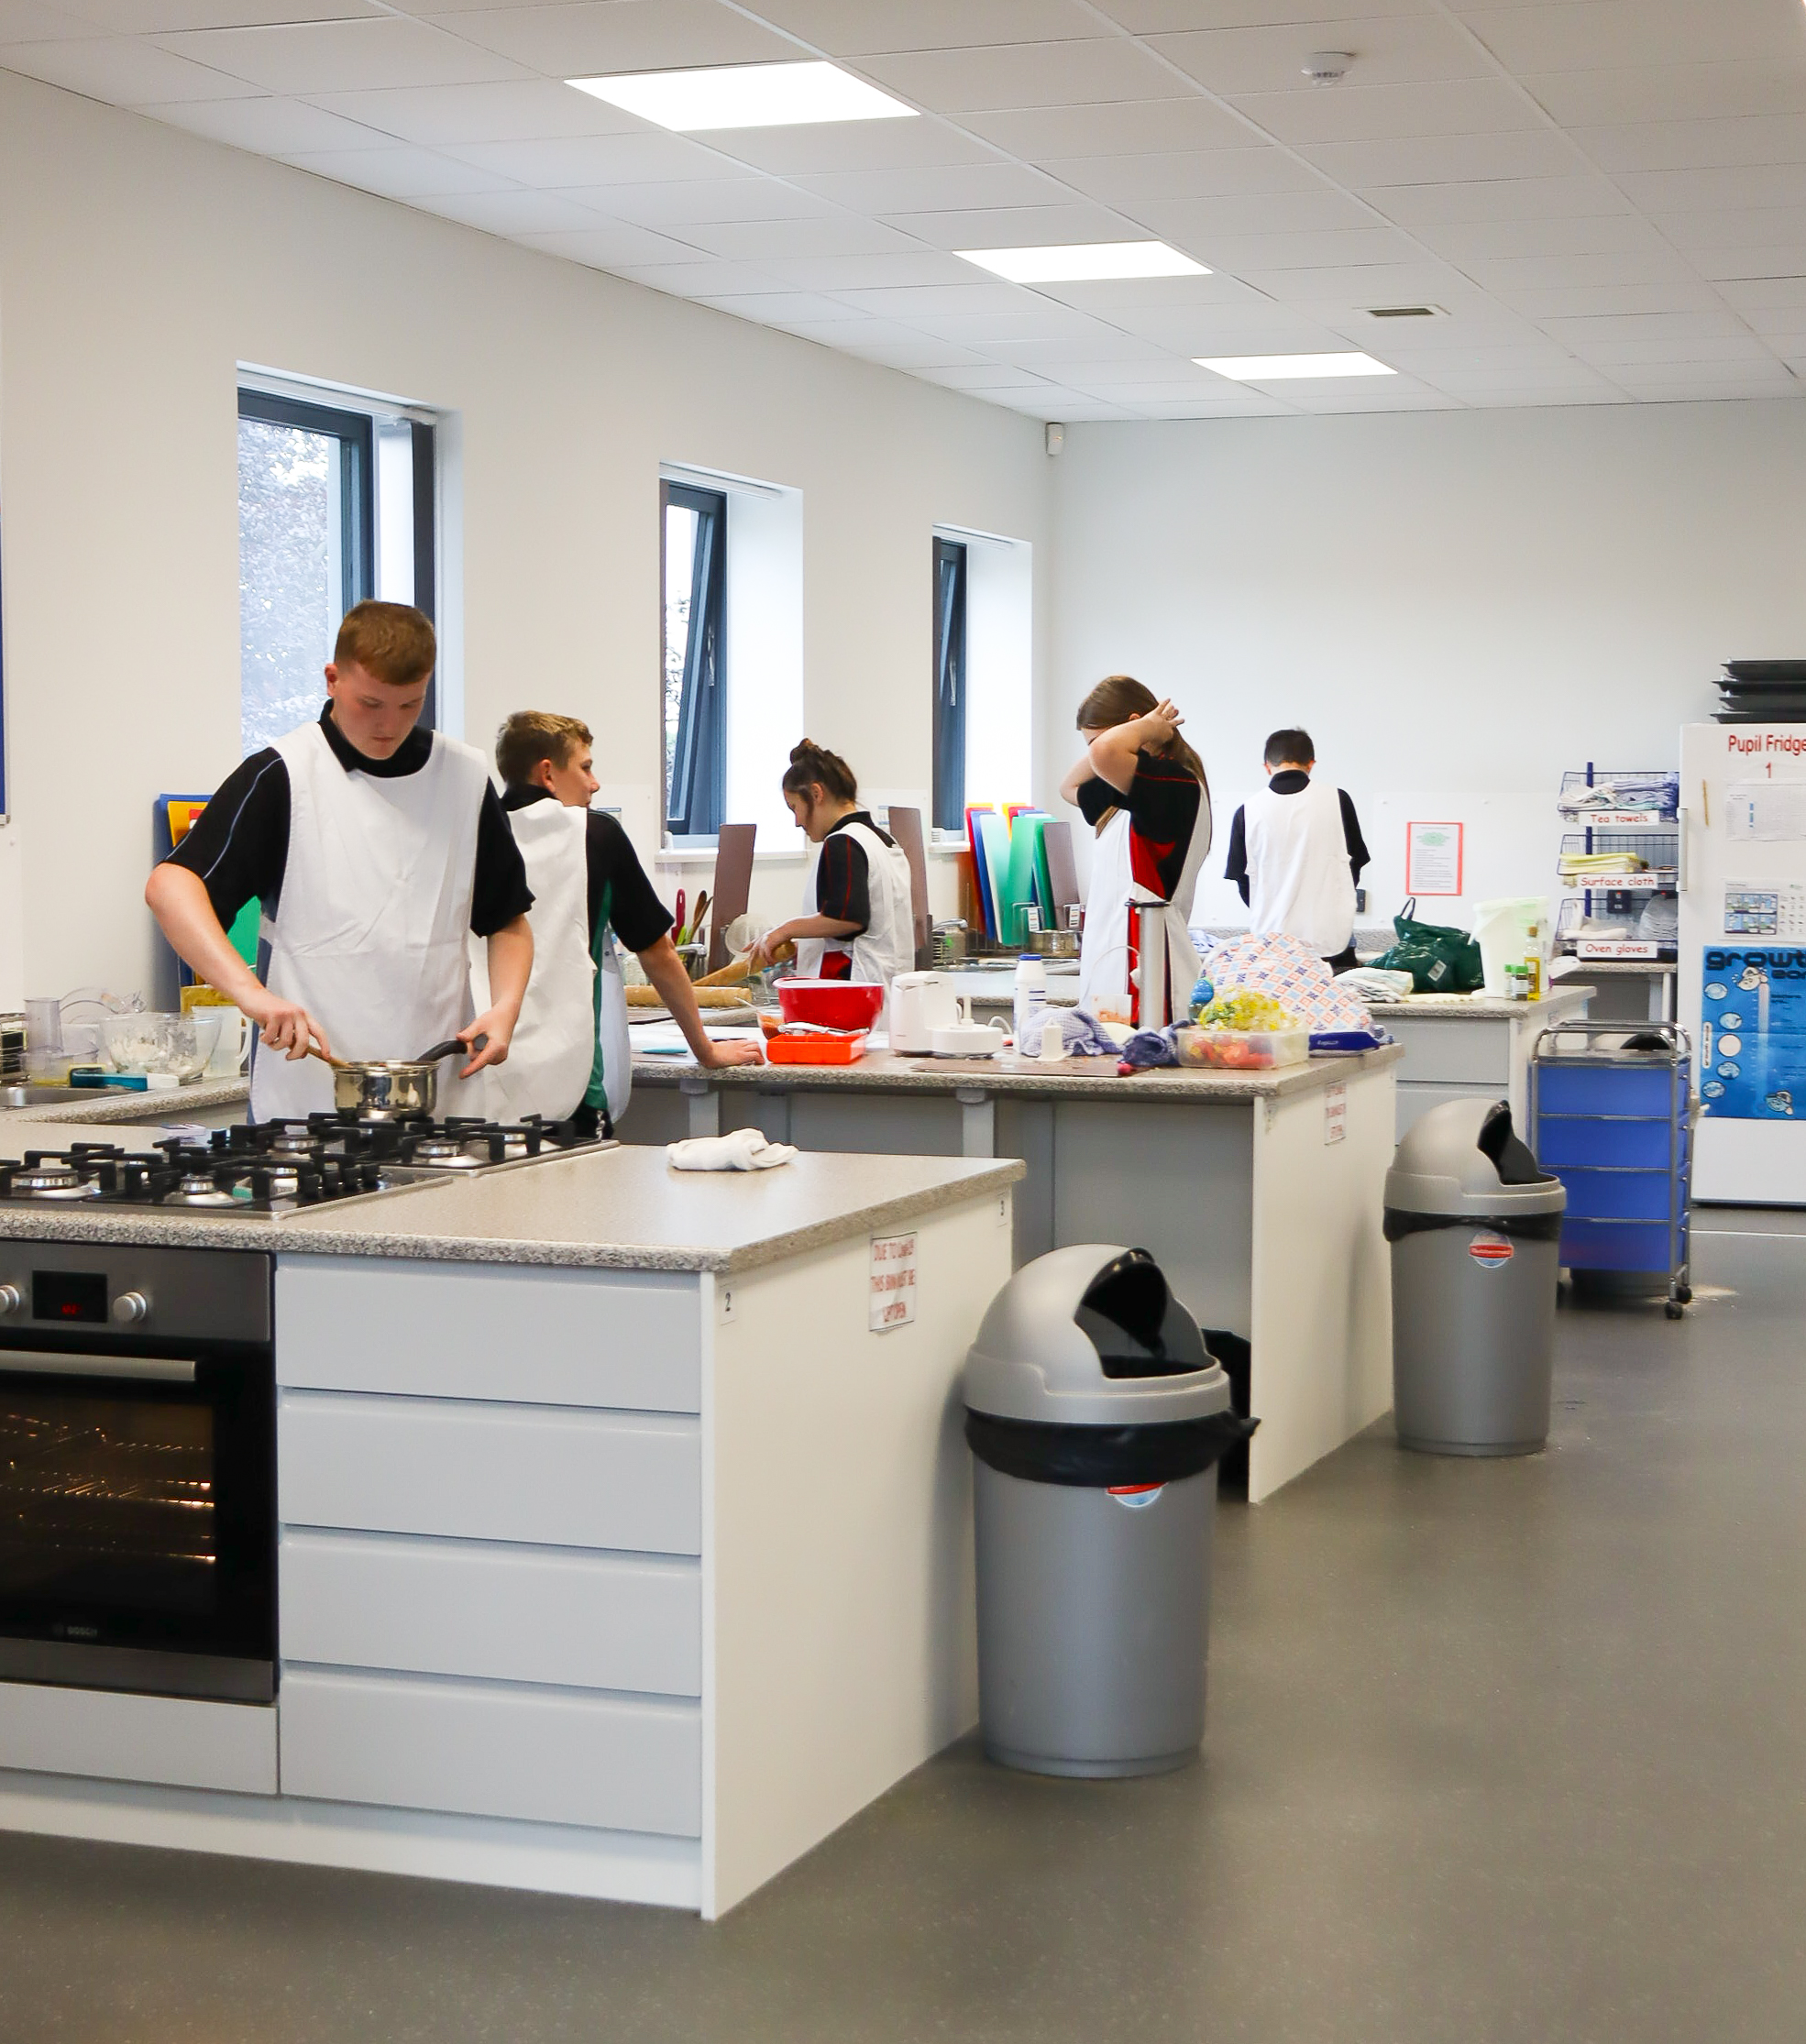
pixel 531 735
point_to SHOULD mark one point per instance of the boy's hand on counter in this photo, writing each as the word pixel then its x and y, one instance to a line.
pixel 734 1051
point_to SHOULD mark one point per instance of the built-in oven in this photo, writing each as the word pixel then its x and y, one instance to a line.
pixel 137 1469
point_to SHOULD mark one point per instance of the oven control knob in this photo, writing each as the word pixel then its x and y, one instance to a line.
pixel 130 1306
pixel 11 1299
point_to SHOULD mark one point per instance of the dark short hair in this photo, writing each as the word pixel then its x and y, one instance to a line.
pixel 531 735
pixel 1288 745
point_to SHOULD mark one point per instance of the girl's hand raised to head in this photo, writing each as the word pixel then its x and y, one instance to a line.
pixel 1162 721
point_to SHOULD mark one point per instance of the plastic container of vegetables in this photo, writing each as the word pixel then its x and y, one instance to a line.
pixel 1242 1050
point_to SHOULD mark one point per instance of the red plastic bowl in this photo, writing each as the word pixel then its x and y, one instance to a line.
pixel 831 1003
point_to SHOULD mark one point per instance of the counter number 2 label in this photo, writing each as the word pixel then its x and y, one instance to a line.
pixel 893 1282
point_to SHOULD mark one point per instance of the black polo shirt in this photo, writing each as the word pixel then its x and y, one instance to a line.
pixel 239 844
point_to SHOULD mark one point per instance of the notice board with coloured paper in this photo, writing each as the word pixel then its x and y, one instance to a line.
pixel 1753 1032
pixel 1434 857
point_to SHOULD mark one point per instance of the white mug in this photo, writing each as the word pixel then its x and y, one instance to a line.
pixel 227 1056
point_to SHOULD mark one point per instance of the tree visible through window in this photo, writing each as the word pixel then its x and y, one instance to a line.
pixel 950 689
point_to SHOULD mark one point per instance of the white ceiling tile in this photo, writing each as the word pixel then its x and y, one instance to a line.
pixel 1600 34
pixel 688 202
pixel 865 27
pixel 1748 228
pixel 701 278
pixel 1128 127
pixel 1517 401
pixel 268 127
pixel 1225 332
pixel 1610 355
pixel 593 37
pixel 122 71
pixel 1332 292
pixel 1014 75
pixel 1598 268
pixel 1055 357
pixel 1322 211
pixel 1390 49
pixel 1570 300
pixel 1708 379
pixel 828 147
pixel 1243 255
pixel 1585 194
pixel 1446 158
pixel 1013 226
pixel 1696 145
pixel 838 234
pixel 150 17
pixel 1720 265
pixel 611 244
pixel 1669 93
pixel 399 171
pixel 1034 320
pixel 1745 187
pixel 1470 241
pixel 795 311
pixel 917 304
pixel 517 213
pixel 31 21
pixel 988 375
pixel 844 274
pixel 1767 294
pixel 527 110
pixel 1160 294
pixel 593 159
pixel 1654 337
pixel 934 190
pixel 1384 112
pixel 1130 180
pixel 1168 16
pixel 341 56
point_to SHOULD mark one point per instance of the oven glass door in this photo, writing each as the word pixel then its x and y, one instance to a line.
pixel 137 1518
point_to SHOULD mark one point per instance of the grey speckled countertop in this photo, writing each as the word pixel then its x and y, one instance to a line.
pixel 1072 1079
pixel 1562 999
pixel 619 1209
pixel 108 1104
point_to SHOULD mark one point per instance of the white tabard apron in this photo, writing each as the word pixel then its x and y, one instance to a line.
pixel 548 1061
pixel 370 927
pixel 1299 879
pixel 886 946
pixel 1106 955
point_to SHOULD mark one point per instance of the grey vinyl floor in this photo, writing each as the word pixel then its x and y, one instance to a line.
pixel 1510 1750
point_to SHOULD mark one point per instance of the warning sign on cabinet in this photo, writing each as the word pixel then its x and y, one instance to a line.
pixel 1335 1113
pixel 893 1282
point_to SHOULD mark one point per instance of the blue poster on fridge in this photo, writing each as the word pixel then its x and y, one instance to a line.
pixel 1753 1032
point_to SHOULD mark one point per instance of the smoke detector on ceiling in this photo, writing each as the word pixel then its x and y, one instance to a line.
pixel 1326 67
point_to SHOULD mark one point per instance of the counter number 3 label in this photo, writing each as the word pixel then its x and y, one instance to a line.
pixel 893 1283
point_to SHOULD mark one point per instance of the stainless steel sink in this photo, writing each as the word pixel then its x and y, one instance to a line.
pixel 43 1096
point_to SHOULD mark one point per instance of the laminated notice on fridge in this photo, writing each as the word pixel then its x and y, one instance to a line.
pixel 893 1297
pixel 1771 911
pixel 1753 1032
pixel 1765 812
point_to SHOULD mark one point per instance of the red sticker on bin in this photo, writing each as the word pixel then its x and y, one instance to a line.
pixel 1490 1249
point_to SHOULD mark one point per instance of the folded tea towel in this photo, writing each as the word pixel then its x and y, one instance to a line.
pixel 745 1150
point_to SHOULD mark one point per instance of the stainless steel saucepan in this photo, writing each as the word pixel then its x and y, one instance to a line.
pixel 392 1088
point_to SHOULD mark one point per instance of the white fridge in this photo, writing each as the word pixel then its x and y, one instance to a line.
pixel 1743 956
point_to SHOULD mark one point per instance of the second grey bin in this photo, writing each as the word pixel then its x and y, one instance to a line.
pixel 1097 1418
pixel 1475 1228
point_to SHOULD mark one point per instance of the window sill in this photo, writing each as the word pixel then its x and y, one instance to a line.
pixel 705 855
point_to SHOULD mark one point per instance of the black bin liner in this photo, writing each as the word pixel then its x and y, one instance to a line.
pixel 1102 1458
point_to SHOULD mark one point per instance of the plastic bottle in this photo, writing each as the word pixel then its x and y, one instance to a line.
pixel 1030 995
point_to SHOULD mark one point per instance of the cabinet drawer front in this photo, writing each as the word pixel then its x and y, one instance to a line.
pixel 542 1474
pixel 519 1614
pixel 172 1740
pixel 608 1339
pixel 1477 1053
pixel 548 1756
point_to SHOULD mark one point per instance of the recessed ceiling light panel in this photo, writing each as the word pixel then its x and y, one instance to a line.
pixel 745 96
pixel 1084 262
pixel 1283 368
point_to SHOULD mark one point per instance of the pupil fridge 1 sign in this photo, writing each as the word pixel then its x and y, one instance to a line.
pixel 1753 1032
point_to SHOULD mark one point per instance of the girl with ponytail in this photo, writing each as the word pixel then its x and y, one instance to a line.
pixel 858 921
pixel 1144 791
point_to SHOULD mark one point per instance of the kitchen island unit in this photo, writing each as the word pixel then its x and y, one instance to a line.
pixel 617 1554
pixel 1473 1046
pixel 1260 1192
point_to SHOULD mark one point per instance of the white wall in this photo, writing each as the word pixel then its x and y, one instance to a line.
pixel 1456 605
pixel 139 265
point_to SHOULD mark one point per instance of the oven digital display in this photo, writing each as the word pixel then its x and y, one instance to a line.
pixel 78 1296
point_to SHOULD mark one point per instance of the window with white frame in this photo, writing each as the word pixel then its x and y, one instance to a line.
pixel 337 501
pixel 983 673
pixel 731 672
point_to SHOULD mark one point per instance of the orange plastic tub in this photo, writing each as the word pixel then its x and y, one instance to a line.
pixel 814 1050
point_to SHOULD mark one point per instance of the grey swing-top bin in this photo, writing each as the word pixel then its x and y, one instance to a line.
pixel 1097 1418
pixel 1475 1228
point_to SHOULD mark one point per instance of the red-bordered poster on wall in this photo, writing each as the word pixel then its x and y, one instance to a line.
pixel 1433 854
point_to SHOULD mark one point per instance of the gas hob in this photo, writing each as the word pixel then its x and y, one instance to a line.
pixel 280 1166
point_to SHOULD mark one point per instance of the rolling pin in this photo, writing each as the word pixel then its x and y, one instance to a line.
pixel 737 971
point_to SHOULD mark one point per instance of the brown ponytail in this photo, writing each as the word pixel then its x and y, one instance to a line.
pixel 814 765
pixel 1115 700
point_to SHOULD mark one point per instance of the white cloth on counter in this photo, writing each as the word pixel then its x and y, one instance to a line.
pixel 745 1149
pixel 1375 983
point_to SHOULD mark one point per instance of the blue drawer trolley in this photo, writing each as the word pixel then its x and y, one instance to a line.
pixel 1615 1126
